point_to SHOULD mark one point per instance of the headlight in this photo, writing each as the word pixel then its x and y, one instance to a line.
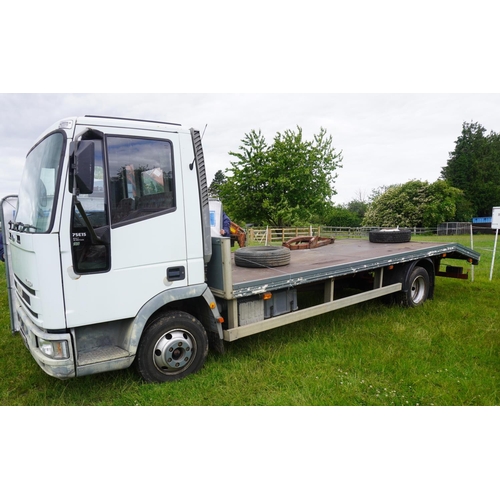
pixel 56 349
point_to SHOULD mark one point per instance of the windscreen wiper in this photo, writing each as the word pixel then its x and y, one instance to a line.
pixel 93 236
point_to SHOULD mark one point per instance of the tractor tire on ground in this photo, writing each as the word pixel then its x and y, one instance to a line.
pixel 390 236
pixel 262 257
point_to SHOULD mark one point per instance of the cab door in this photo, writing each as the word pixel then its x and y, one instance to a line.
pixel 136 245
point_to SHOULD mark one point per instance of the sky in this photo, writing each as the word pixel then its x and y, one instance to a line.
pixel 385 138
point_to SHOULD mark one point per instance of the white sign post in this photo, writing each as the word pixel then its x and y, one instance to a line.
pixel 472 247
pixel 495 224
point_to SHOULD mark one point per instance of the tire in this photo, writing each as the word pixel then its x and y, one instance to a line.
pixel 172 347
pixel 390 236
pixel 262 257
pixel 418 288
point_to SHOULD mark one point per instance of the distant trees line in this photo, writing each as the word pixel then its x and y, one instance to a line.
pixel 291 183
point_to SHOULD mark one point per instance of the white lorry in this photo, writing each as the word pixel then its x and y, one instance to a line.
pixel 110 259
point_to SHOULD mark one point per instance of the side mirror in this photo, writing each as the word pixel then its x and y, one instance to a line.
pixel 84 165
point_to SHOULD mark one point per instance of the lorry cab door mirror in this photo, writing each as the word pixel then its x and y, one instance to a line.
pixel 84 166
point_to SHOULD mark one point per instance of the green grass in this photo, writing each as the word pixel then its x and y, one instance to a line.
pixel 446 352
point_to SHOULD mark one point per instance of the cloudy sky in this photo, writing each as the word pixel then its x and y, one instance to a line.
pixel 391 83
pixel 385 138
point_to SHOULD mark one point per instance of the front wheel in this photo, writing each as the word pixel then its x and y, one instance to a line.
pixel 418 288
pixel 172 347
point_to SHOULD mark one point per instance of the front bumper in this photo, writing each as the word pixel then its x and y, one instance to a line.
pixel 59 368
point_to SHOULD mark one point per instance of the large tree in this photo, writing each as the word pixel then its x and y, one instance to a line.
pixel 287 183
pixel 474 167
pixel 414 204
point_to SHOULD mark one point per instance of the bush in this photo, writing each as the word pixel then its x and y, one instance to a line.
pixel 342 217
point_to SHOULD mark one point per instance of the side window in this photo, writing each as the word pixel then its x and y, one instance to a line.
pixel 141 182
pixel 94 204
pixel 90 237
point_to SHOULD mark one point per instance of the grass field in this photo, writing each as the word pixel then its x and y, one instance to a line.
pixel 445 353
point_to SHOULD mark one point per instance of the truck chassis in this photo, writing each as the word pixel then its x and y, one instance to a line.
pixel 255 300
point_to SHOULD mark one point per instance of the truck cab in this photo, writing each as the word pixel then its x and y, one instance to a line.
pixel 110 231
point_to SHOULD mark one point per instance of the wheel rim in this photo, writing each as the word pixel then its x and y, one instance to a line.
pixel 174 351
pixel 418 290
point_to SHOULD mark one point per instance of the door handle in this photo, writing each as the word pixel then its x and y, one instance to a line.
pixel 176 273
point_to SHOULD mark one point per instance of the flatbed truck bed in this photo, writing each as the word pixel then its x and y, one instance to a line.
pixel 346 261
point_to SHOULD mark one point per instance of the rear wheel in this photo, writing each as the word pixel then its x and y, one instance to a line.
pixel 172 347
pixel 418 288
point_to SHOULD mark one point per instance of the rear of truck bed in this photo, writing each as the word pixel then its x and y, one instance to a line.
pixel 258 299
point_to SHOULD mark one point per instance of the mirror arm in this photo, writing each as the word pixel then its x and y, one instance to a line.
pixel 80 134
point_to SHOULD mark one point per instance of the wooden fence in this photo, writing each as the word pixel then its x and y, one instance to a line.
pixel 278 235
pixel 270 235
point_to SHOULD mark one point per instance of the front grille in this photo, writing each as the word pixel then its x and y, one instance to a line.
pixel 26 287
pixel 25 295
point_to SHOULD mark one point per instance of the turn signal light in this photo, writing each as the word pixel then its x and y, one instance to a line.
pixel 55 349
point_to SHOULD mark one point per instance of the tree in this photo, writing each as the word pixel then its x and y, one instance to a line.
pixel 287 183
pixel 474 167
pixel 342 217
pixel 244 192
pixel 358 205
pixel 414 204
pixel 215 186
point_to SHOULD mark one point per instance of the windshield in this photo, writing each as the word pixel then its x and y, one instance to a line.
pixel 39 184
